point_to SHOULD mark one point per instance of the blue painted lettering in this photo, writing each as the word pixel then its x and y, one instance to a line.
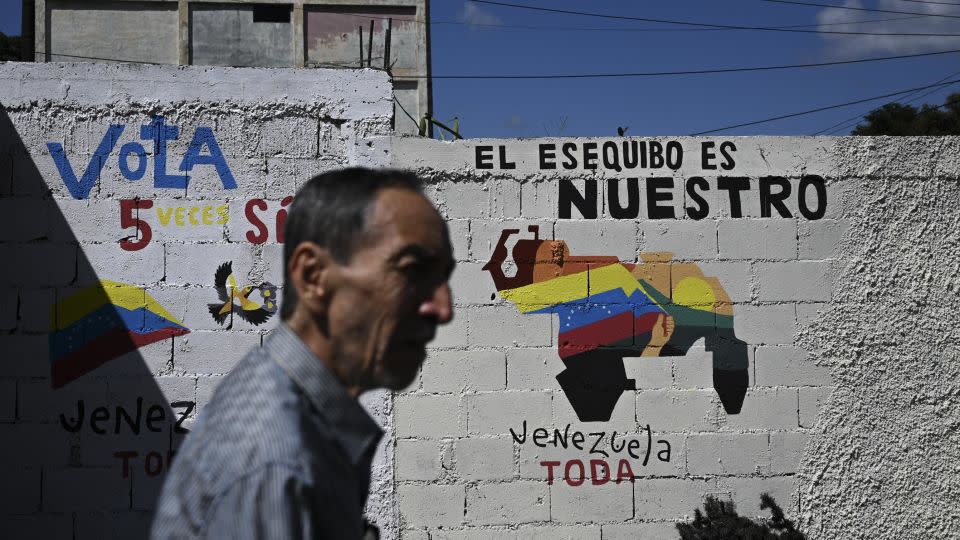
pixel 141 153
pixel 80 189
pixel 204 137
pixel 160 133
pixel 203 150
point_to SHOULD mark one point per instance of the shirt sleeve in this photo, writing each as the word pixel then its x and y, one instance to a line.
pixel 272 502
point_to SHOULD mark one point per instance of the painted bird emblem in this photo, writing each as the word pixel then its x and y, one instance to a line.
pixel 237 299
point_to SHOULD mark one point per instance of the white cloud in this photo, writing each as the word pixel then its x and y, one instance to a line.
pixel 474 16
pixel 842 46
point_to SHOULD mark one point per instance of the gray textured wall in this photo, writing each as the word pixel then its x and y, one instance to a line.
pixel 131 31
pixel 228 35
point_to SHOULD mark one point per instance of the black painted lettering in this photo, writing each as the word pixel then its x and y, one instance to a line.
pixel 770 199
pixel 664 453
pixel 702 209
pixel 484 157
pixel 155 413
pixel 577 440
pixel 613 443
pixel 655 197
pixel 733 185
pixel 569 150
pixel 520 439
pixel 548 156
pixel 561 438
pixel 707 156
pixel 187 409
pixel 674 155
pixel 630 154
pixel 504 164
pixel 590 155
pixel 539 435
pixel 596 442
pixel 726 147
pixel 632 446
pixel 646 457
pixel 133 423
pixel 100 414
pixel 73 428
pixel 611 159
pixel 618 210
pixel 656 155
pixel 820 188
pixel 569 195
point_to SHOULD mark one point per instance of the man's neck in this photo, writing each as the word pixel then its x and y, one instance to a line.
pixel 319 343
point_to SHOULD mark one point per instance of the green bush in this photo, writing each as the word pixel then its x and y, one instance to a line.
pixel 721 522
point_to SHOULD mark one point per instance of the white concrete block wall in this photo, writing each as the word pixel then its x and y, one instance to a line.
pixel 275 129
pixel 836 376
pixel 461 424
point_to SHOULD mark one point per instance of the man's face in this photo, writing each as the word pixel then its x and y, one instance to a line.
pixel 387 301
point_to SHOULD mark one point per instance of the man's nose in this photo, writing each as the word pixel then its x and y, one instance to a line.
pixel 439 305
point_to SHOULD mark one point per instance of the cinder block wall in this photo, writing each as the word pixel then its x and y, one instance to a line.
pixel 844 311
pixel 98 219
pixel 843 338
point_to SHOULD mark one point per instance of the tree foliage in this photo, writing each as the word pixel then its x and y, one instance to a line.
pixel 897 119
pixel 9 48
pixel 721 522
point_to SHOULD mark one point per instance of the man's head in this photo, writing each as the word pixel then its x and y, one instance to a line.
pixel 367 259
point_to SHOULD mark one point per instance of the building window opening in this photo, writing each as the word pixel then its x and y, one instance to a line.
pixel 272 13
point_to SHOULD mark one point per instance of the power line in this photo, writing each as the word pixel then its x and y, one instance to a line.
pixel 710 25
pixel 589 75
pixel 38 53
pixel 827 108
pixel 623 29
pixel 931 2
pixel 684 72
pixel 613 29
pixel 850 8
pixel 402 108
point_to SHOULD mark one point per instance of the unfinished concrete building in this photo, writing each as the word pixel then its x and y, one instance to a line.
pixel 392 34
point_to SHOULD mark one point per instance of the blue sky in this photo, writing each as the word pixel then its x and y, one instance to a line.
pixel 471 38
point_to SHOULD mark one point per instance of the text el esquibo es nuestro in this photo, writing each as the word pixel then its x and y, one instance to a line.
pixel 704 197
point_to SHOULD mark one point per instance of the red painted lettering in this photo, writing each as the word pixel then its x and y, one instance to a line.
pixel 624 471
pixel 261 236
pixel 549 465
pixel 597 480
pixel 125 456
pixel 157 459
pixel 282 217
pixel 583 472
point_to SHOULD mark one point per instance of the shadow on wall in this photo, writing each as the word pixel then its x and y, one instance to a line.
pixel 87 432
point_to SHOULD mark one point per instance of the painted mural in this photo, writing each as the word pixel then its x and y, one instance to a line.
pixel 609 310
pixel 102 322
pixel 237 301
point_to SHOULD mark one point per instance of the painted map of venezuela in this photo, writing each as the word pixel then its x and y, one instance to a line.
pixel 609 310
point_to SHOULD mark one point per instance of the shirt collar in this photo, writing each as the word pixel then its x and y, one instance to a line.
pixel 353 428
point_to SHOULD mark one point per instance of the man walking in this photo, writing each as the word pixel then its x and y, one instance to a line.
pixel 283 449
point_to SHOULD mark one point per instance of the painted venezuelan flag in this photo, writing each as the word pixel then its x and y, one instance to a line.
pixel 100 323
pixel 601 306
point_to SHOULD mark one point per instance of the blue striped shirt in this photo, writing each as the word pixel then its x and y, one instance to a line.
pixel 280 451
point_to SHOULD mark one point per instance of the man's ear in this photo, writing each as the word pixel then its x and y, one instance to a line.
pixel 309 269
